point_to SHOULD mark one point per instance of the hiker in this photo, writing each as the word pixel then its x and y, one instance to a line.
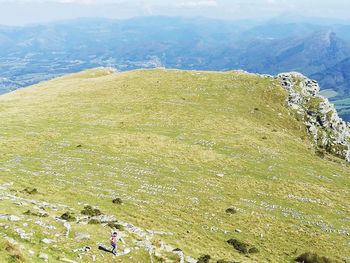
pixel 114 239
pixel 114 242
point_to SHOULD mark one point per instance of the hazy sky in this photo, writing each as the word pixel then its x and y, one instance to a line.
pixel 19 12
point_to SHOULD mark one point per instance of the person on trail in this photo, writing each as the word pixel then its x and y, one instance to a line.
pixel 114 239
pixel 114 242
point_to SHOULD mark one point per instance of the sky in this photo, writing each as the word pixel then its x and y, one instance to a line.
pixel 22 12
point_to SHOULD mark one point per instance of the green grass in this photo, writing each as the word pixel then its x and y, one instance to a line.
pixel 158 139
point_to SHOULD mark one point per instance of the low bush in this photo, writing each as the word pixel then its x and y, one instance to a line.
pixel 117 201
pixel 15 253
pixel 242 247
pixel 119 227
pixel 115 225
pixel 320 153
pixel 231 210
pixel 30 191
pixel 90 211
pixel 30 213
pixel 309 257
pixel 94 222
pixel 68 217
pixel 204 259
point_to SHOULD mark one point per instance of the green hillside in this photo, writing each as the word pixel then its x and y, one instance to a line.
pixel 178 148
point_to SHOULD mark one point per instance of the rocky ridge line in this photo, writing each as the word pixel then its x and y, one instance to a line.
pixel 329 132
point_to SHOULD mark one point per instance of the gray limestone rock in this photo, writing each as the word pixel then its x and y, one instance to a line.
pixel 328 131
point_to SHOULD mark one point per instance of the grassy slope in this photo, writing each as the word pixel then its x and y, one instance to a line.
pixel 158 139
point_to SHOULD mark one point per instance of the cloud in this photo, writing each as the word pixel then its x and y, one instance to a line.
pixel 198 4
pixel 80 2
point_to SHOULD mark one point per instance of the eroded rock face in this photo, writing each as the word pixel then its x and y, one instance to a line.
pixel 328 130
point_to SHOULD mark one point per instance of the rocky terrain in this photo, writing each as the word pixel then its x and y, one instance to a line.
pixel 188 166
pixel 328 130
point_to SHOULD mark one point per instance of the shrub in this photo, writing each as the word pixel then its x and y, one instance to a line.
pixel 113 224
pixel 30 213
pixel 68 217
pixel 309 257
pixel 89 211
pixel 159 258
pixel 14 252
pixel 238 245
pixel 119 227
pixel 94 222
pixel 242 247
pixel 30 191
pixel 231 210
pixel 320 153
pixel 9 247
pixel 204 259
pixel 117 201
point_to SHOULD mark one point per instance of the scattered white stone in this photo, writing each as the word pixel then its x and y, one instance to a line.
pixel 3 217
pixel 220 175
pixel 44 256
pixel 103 218
pixel 22 233
pixel 67 260
pixel 47 241
pixel 13 218
pixel 238 230
pixel 190 260
pixel 67 227
pixel 42 224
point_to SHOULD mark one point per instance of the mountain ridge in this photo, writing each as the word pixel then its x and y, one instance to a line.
pixel 37 53
pixel 192 156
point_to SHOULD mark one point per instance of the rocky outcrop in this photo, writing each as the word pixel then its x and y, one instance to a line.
pixel 329 132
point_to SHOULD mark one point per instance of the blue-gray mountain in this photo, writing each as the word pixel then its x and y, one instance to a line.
pixel 320 51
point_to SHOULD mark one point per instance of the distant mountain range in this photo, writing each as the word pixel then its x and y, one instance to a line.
pixel 319 50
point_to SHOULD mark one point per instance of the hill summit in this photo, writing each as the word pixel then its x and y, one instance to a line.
pixel 185 165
